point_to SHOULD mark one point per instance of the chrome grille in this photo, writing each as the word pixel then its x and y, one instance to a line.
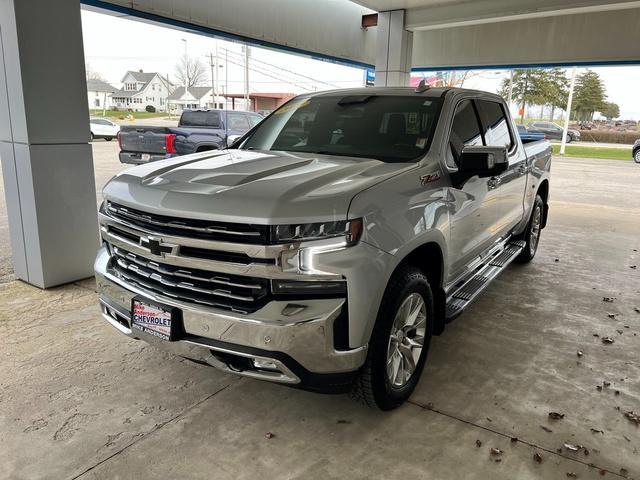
pixel 232 292
pixel 203 229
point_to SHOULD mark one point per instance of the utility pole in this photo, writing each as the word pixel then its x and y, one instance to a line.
pixel 213 79
pixel 246 77
pixel 226 76
pixel 568 115
pixel 186 70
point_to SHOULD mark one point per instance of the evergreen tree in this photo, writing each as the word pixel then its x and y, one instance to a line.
pixel 589 95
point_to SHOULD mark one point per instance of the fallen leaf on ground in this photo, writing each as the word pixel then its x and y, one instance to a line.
pixel 580 353
pixel 606 384
pixel 546 429
pixel 608 299
pixel 537 457
pixel 478 443
pixel 595 430
pixel 624 472
pixel 619 332
pixel 633 416
pixel 607 340
pixel 573 448
pixel 556 415
pixel 612 315
pixel 495 451
pixel 572 475
pixel 269 435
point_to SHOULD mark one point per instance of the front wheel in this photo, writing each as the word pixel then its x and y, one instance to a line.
pixel 399 342
pixel 636 156
pixel 108 139
pixel 531 234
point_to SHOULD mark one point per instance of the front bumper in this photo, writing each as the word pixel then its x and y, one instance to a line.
pixel 298 341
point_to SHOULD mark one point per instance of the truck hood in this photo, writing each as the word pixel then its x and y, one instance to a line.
pixel 250 186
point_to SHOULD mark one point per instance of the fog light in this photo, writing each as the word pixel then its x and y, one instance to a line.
pixel 264 364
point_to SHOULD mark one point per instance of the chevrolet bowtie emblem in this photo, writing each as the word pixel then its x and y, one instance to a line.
pixel 156 247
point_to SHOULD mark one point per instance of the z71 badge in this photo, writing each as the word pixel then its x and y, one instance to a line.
pixel 429 177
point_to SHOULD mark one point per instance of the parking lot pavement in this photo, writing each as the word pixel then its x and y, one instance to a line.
pixel 79 400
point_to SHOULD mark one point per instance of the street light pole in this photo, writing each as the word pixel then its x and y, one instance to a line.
pixel 568 115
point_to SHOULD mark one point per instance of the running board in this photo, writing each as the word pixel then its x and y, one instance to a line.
pixel 467 292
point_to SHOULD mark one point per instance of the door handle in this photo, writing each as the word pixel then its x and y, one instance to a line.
pixel 522 169
pixel 493 182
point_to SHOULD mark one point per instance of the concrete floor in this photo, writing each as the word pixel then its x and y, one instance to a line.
pixel 79 400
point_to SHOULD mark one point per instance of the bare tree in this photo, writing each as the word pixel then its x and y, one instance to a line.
pixel 93 74
pixel 191 71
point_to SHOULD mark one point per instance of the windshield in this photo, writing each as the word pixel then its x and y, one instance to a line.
pixel 387 128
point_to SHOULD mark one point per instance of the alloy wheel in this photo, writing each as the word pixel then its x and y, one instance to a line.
pixel 406 340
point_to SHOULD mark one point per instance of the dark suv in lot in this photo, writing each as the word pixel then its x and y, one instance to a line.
pixel 553 131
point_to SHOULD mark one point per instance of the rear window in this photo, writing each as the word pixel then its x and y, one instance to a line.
pixel 200 119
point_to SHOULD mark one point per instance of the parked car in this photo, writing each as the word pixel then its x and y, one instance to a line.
pixel 197 131
pixel 527 136
pixel 636 151
pixel 325 257
pixel 103 128
pixel 553 131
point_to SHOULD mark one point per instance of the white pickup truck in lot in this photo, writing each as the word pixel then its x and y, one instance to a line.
pixel 328 245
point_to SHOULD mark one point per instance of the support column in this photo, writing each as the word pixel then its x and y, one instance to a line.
pixel 393 50
pixel 46 159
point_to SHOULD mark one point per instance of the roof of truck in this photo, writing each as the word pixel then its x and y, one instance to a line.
pixel 403 91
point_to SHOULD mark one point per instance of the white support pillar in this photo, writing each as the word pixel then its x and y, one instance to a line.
pixel 394 45
pixel 46 159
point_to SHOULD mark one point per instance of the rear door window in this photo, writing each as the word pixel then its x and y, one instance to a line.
pixel 238 121
pixel 495 127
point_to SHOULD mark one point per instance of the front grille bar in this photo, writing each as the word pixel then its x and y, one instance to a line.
pixel 179 272
pixel 120 211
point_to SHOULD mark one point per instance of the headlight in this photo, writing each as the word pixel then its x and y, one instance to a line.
pixel 350 230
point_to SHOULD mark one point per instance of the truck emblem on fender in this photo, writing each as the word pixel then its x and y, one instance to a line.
pixel 430 177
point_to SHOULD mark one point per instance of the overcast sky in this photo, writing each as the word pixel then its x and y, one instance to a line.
pixel 114 45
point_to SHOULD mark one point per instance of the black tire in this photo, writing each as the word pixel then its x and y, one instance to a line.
pixel 92 136
pixel 569 138
pixel 108 139
pixel 636 156
pixel 373 386
pixel 532 241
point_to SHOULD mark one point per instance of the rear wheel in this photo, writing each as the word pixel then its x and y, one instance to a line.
pixel 636 156
pixel 399 342
pixel 531 235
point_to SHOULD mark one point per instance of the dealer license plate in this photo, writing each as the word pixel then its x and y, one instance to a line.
pixel 151 319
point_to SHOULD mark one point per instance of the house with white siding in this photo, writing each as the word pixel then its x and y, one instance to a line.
pixel 100 94
pixel 140 89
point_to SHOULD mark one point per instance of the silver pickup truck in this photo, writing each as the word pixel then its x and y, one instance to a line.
pixel 331 242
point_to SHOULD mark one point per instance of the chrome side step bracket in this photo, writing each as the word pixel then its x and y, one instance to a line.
pixel 468 291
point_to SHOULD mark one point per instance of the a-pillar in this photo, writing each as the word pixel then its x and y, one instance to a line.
pixel 47 164
pixel 393 50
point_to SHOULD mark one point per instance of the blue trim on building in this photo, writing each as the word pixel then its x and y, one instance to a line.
pixel 211 32
pixel 607 63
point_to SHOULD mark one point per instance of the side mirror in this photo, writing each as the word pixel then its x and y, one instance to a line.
pixel 482 161
pixel 231 139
